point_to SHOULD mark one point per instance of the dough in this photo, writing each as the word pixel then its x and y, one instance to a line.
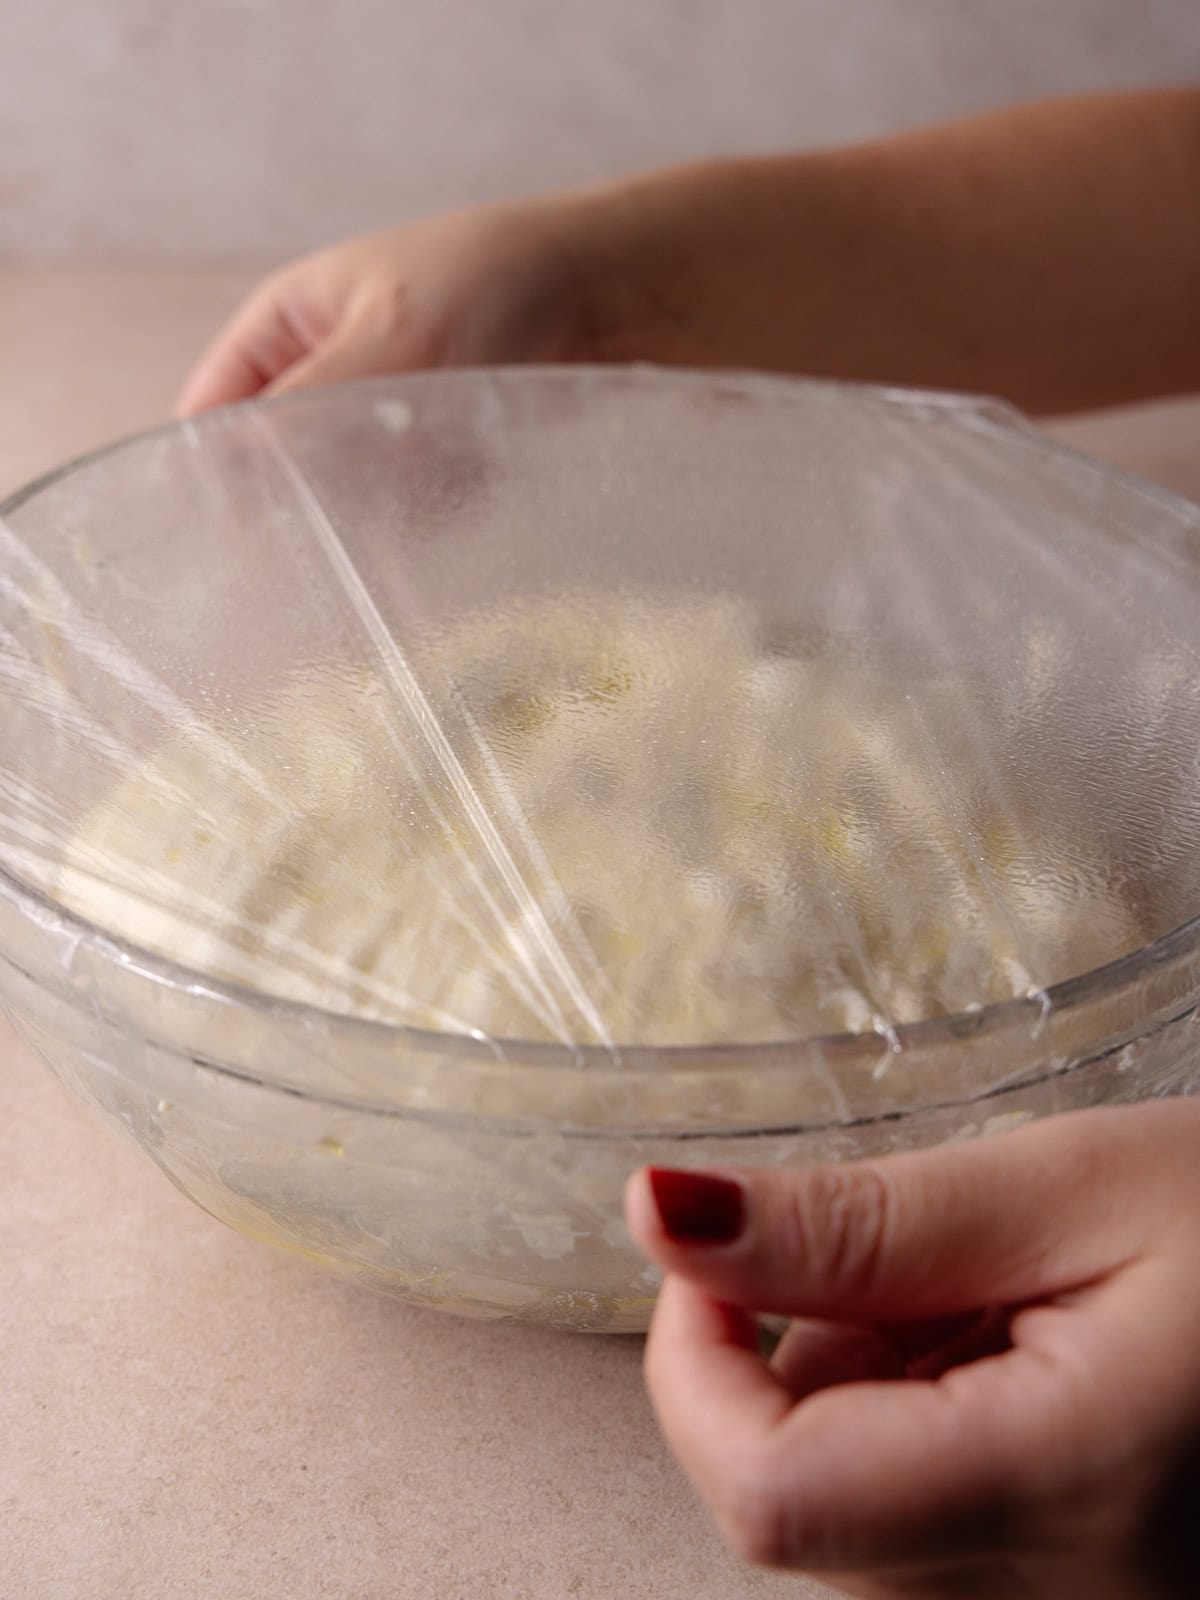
pixel 589 820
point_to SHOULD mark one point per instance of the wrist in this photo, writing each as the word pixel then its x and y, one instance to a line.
pixel 637 257
pixel 732 263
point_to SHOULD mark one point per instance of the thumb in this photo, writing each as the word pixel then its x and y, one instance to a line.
pixel 263 338
pixel 999 1221
pixel 353 350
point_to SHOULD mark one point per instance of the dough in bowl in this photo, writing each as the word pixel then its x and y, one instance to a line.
pixel 597 820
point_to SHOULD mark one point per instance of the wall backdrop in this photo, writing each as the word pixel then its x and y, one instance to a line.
pixel 245 130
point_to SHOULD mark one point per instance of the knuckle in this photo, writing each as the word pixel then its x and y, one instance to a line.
pixel 841 1221
pixel 386 304
pixel 273 290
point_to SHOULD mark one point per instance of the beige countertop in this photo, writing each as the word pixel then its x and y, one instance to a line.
pixel 185 1413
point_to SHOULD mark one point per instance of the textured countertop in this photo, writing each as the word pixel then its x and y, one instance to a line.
pixel 185 1413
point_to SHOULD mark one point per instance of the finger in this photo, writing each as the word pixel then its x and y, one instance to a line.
pixel 818 1355
pixel 1001 1220
pixel 855 1475
pixel 715 1399
pixel 987 1333
pixel 357 350
pixel 261 340
pixel 919 1472
pixel 916 1338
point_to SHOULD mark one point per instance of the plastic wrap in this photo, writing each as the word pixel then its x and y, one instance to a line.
pixel 424 802
pixel 608 713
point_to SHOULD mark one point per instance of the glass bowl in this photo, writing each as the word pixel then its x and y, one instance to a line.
pixel 175 573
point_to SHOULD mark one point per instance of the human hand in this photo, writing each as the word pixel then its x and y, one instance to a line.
pixel 906 1439
pixel 876 262
pixel 494 285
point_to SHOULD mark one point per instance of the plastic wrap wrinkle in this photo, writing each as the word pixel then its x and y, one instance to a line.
pixel 968 730
pixel 50 607
pixel 411 706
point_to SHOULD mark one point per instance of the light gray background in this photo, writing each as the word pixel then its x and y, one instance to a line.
pixel 245 130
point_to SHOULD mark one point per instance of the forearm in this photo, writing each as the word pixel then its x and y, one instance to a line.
pixel 1049 254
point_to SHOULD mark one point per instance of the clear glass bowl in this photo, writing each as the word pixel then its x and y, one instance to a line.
pixel 485 1176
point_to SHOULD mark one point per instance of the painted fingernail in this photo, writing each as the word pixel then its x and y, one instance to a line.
pixel 697 1208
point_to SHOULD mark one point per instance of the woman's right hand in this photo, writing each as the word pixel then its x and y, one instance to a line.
pixel 991 1387
pixel 500 284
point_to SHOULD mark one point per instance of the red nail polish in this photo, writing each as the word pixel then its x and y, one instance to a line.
pixel 696 1208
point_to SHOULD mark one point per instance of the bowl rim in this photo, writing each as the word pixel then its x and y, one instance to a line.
pixel 977 412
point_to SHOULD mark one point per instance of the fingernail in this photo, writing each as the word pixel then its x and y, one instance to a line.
pixel 696 1208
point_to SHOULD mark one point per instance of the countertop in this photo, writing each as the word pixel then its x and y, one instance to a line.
pixel 186 1413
